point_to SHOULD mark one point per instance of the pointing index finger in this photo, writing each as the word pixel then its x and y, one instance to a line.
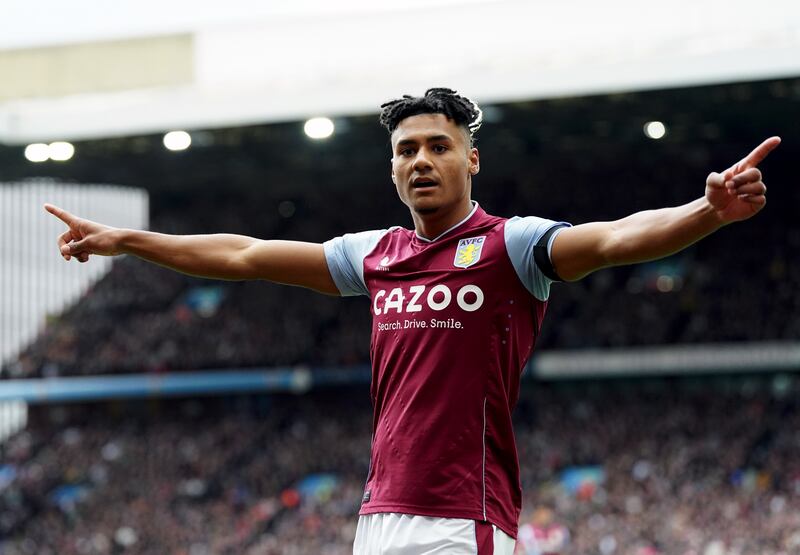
pixel 758 154
pixel 60 213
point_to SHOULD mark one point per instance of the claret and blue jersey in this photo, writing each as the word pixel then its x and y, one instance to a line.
pixel 455 319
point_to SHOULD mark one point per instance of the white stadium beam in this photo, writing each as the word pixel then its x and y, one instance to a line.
pixel 255 64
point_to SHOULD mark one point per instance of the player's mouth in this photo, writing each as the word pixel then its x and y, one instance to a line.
pixel 423 183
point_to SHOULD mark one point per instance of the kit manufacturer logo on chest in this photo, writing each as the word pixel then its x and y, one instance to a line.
pixel 468 252
pixel 383 265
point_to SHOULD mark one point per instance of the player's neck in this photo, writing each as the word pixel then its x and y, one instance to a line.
pixel 430 226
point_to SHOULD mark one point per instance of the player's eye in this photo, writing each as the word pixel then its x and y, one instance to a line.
pixel 407 152
pixel 439 149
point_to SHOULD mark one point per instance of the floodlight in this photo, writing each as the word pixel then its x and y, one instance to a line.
pixel 60 151
pixel 655 129
pixel 37 152
pixel 177 140
pixel 319 128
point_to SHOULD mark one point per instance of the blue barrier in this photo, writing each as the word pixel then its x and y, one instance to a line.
pixel 210 382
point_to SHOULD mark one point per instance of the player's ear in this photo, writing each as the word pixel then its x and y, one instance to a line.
pixel 474 161
pixel 394 178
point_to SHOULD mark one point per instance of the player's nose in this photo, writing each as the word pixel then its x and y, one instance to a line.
pixel 422 161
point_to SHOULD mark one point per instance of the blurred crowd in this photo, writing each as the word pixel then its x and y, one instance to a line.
pixel 187 479
pixel 737 285
pixel 669 467
pixel 702 469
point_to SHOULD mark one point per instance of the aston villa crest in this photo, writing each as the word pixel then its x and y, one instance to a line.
pixel 468 252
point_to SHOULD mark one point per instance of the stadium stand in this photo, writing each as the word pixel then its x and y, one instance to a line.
pixel 570 159
pixel 671 466
pixel 149 319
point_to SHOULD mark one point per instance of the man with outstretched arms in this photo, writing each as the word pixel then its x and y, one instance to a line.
pixel 457 305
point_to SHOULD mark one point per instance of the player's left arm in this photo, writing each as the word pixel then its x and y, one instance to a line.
pixel 736 194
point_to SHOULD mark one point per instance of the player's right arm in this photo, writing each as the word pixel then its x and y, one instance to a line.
pixel 217 256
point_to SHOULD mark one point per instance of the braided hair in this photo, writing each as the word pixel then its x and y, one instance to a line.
pixel 463 111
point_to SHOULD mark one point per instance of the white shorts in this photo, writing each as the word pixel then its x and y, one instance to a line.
pixel 401 534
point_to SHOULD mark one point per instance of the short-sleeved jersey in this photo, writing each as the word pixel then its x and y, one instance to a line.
pixel 455 319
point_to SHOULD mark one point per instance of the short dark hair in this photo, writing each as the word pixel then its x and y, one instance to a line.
pixel 460 109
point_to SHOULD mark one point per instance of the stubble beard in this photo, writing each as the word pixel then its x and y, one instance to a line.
pixel 426 211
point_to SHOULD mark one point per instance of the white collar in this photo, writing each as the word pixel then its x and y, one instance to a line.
pixel 468 216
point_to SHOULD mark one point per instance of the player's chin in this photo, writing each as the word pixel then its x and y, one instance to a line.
pixel 425 206
pixel 426 211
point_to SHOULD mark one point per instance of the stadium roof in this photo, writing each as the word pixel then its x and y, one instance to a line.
pixel 78 70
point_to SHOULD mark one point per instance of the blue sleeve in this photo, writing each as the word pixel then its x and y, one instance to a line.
pixel 345 256
pixel 522 235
